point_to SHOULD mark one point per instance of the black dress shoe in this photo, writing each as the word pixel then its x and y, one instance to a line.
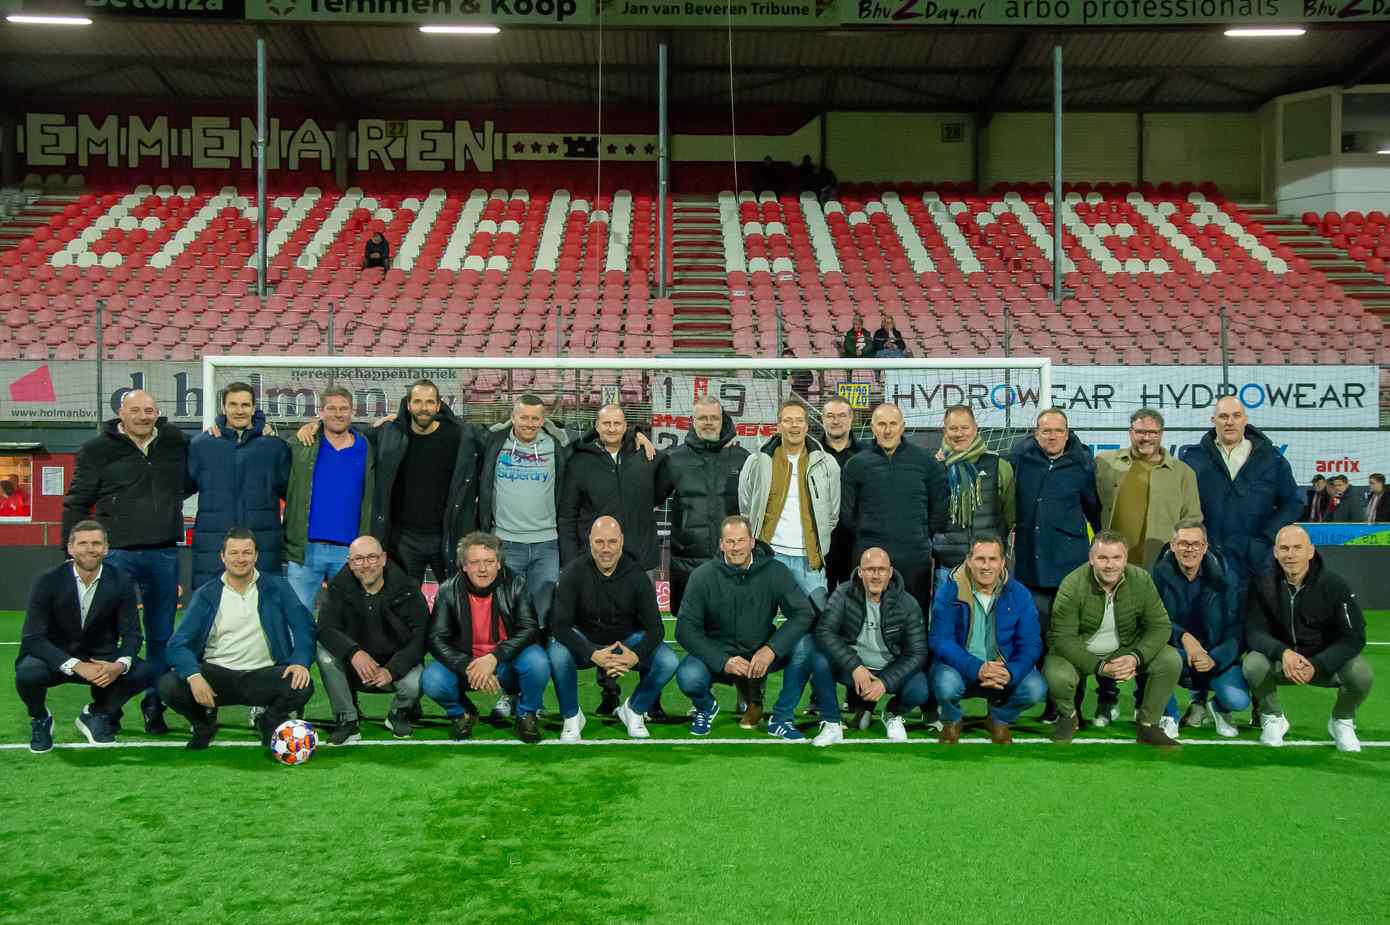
pixel 612 696
pixel 202 736
pixel 152 711
pixel 528 729
pixel 461 727
pixel 657 714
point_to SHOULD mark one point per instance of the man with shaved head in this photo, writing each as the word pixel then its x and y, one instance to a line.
pixel 1303 625
pixel 605 617
pixel 372 629
pixel 131 480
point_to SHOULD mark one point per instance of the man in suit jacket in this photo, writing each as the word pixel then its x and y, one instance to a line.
pixel 1377 508
pixel 81 628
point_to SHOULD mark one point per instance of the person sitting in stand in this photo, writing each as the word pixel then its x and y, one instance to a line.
pixel 377 253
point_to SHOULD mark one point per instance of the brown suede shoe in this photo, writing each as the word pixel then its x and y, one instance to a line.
pixel 1064 728
pixel 950 734
pixel 751 717
pixel 1152 735
pixel 1000 734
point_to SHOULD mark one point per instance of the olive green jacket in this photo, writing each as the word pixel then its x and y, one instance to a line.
pixel 1141 622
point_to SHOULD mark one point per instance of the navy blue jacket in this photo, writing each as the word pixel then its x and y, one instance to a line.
pixel 241 481
pixel 53 629
pixel 1056 500
pixel 289 629
pixel 1017 632
pixel 1214 617
pixel 897 502
pixel 1243 514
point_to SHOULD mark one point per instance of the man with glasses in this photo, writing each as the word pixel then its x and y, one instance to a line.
pixel 1144 490
pixel 837 439
pixel 1203 604
pixel 371 640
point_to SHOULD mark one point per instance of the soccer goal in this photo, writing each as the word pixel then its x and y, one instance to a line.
pixel 1006 394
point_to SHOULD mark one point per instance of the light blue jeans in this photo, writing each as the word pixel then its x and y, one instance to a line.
pixel 806 579
pixel 540 563
pixel 321 562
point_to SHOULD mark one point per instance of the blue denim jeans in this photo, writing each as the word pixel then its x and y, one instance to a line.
pixel 527 675
pixel 913 693
pixel 321 562
pixel 1232 695
pixel 540 564
pixel 806 579
pixel 695 680
pixel 156 573
pixel 1005 705
pixel 655 671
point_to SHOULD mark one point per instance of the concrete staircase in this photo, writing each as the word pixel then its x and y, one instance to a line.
pixel 1322 255
pixel 23 211
pixel 700 323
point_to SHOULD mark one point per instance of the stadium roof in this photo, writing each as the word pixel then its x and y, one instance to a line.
pixel 357 70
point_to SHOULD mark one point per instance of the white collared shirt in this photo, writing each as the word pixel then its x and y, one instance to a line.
pixel 142 446
pixel 1236 456
pixel 86 593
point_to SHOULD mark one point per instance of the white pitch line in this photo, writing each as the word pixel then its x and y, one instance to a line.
pixel 693 741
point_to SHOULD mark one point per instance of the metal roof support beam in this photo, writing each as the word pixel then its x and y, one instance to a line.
pixel 48 85
pixel 1006 73
pixel 1369 61
pixel 323 75
pixel 881 78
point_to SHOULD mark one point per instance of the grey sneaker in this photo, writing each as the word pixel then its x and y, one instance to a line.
pixel 95 727
pixel 41 735
pixel 1196 715
pixel 502 709
pixel 398 721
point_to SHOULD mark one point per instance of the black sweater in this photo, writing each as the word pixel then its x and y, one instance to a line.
pixel 605 608
pixel 390 625
pixel 137 498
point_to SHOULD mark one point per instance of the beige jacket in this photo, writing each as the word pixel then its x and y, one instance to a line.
pixel 1172 496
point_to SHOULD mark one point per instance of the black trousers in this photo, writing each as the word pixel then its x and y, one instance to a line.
pixel 264 687
pixel 413 550
pixel 33 677
pixel 839 562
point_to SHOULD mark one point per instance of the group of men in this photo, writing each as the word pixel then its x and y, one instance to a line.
pixel 1332 500
pixel 884 561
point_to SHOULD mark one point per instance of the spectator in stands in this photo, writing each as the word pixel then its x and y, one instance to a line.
pixel 1377 510
pixel 871 638
pixel 1343 506
pixel 808 175
pixel 244 639
pixel 888 340
pixel 518 496
pixel 374 622
pixel 241 475
pixel 801 379
pixel 1108 621
pixel 827 185
pixel 837 439
pixel 790 492
pixel 895 495
pixel 1144 490
pixel 726 624
pixel 1056 501
pixel 981 486
pixel 1246 488
pixel 134 476
pixel 1316 501
pixel 13 503
pixel 610 475
pixel 81 627
pixel 985 642
pixel 377 253
pixel 1304 625
pixel 858 343
pixel 328 503
pixel 701 476
pixel 767 176
pixel 484 637
pixel 605 617
pixel 1203 605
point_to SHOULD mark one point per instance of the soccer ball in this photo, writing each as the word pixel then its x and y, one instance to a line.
pixel 293 742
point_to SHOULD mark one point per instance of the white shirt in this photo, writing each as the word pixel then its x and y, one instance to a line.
pixel 1106 640
pixel 1236 456
pixel 789 539
pixel 237 641
pixel 86 593
pixel 142 446
pixel 986 600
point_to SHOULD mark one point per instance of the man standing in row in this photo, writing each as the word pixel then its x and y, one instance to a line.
pixel 1304 626
pixel 1144 490
pixel 81 627
pixel 837 439
pixel 1108 622
pixel 133 475
pixel 329 500
pixel 981 488
pixel 1377 510
pixel 372 640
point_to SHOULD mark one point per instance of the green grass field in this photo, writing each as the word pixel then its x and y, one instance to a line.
pixel 749 831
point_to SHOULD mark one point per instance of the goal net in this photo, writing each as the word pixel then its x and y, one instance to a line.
pixel 1006 394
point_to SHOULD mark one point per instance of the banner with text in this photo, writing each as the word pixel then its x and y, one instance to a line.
pixel 185 10
pixel 751 403
pixel 1105 396
pixel 441 12
pixel 1126 13
pixel 718 14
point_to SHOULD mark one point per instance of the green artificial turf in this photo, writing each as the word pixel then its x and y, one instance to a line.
pixel 695 833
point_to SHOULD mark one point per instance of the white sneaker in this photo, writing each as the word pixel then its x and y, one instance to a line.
pixel 1222 721
pixel 830 734
pixel 1272 730
pixel 502 709
pixel 635 722
pixel 1343 732
pixel 573 727
pixel 1107 714
pixel 1169 727
pixel 894 727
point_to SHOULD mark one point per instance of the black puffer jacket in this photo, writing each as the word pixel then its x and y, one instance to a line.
pixel 451 629
pixel 460 516
pixel 394 635
pixel 897 502
pixel 900 619
pixel 703 476
pixel 596 486
pixel 1323 623
pixel 137 498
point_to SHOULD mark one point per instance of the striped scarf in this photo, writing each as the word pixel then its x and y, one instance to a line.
pixel 964 480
